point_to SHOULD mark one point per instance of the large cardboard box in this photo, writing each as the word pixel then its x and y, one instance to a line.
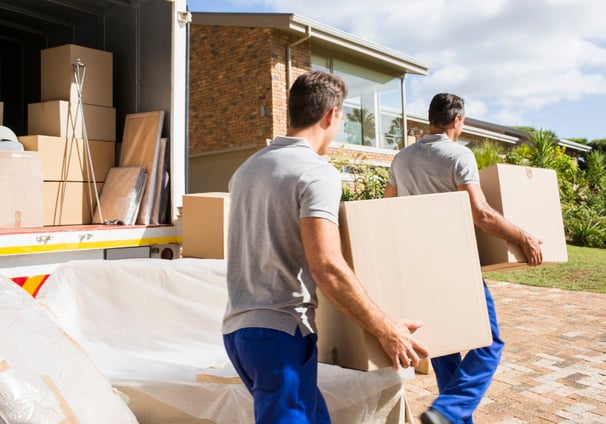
pixel 57 75
pixel 69 203
pixel 417 258
pixel 529 198
pixel 63 119
pixel 205 218
pixel 65 159
pixel 20 189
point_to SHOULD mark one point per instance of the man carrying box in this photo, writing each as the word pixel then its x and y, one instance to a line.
pixel 283 242
pixel 437 164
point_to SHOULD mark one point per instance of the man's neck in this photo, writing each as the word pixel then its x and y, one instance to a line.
pixel 451 133
pixel 312 135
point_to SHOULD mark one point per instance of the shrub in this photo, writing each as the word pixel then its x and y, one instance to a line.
pixel 584 226
pixel 488 153
pixel 367 181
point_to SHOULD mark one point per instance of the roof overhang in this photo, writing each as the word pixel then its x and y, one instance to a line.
pixel 472 130
pixel 319 35
pixel 573 145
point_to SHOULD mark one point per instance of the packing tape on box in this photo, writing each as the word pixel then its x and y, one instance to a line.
pixel 17 219
pixel 217 379
pixel 528 172
pixel 70 417
pixel 3 366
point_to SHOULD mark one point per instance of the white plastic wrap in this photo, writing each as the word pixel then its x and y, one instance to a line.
pixel 45 378
pixel 154 328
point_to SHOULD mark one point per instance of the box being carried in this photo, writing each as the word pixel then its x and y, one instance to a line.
pixel 417 258
pixel 530 199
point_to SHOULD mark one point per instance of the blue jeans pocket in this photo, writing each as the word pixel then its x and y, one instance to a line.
pixel 259 350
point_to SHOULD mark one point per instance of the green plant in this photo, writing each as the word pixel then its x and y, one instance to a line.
pixel 518 155
pixel 488 153
pixel 598 144
pixel 596 169
pixel 367 181
pixel 544 152
pixel 585 221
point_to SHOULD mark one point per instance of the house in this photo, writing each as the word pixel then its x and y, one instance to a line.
pixel 242 65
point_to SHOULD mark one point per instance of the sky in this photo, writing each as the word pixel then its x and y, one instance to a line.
pixel 536 63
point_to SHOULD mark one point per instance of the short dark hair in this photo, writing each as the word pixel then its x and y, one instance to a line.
pixel 444 108
pixel 312 95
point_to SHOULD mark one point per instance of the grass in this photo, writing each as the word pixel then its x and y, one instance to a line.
pixel 584 271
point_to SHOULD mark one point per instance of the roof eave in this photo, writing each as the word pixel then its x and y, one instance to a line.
pixel 468 129
pixel 318 32
pixel 576 146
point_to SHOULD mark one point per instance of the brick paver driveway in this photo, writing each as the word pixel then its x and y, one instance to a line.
pixel 554 364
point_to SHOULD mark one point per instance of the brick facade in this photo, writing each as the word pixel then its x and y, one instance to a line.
pixel 238 85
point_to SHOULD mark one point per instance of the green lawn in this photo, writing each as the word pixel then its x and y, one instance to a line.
pixel 584 271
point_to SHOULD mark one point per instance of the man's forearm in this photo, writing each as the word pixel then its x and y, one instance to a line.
pixel 341 287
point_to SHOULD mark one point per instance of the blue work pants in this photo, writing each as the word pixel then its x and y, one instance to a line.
pixel 463 382
pixel 281 373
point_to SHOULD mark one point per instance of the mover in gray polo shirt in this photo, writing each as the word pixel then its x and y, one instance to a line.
pixel 437 164
pixel 283 243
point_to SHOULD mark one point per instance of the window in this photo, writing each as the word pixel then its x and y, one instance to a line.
pixel 373 107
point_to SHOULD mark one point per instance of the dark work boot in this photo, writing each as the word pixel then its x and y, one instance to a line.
pixel 433 416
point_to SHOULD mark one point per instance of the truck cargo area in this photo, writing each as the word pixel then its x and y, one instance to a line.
pixel 147 43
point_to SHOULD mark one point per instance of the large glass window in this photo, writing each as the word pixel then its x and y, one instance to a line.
pixel 373 107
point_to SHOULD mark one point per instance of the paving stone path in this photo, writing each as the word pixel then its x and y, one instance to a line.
pixel 553 368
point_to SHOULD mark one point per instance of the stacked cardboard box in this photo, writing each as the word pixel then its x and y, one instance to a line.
pixel 63 132
pixel 21 188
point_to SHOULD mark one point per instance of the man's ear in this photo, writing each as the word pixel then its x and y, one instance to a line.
pixel 331 115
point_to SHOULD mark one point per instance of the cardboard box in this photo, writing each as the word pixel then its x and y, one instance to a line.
pixel 63 119
pixel 66 157
pixel 205 218
pixel 57 75
pixel 529 198
pixel 417 258
pixel 69 203
pixel 20 189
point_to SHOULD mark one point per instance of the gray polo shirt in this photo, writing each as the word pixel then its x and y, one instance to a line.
pixel 434 164
pixel 268 280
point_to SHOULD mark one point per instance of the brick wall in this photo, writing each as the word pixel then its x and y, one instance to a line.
pixel 300 62
pixel 238 88
pixel 238 85
pixel 230 88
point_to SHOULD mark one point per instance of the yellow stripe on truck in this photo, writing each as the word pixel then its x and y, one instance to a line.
pixel 16 250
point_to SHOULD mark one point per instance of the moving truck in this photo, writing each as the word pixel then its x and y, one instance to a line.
pixel 148 42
